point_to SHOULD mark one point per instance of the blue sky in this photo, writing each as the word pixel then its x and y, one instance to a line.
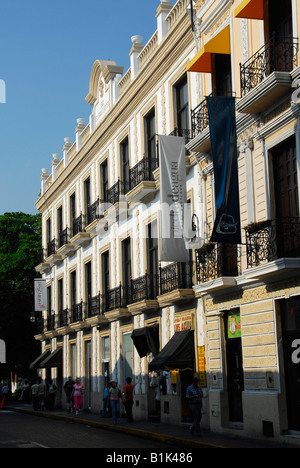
pixel 47 50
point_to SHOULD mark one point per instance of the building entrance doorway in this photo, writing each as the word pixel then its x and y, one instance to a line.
pixel 234 358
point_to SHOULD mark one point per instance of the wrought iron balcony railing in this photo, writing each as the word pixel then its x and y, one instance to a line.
pixel 51 322
pixel 76 313
pixel 114 193
pixel 199 115
pixel 93 212
pixel 63 318
pixel 176 276
pixel 51 248
pixel 200 119
pixel 78 225
pixel 113 299
pixel 40 257
pixel 144 288
pixel 63 238
pixel 278 54
pixel 142 171
pixel 93 306
pixel 272 239
pixel 216 260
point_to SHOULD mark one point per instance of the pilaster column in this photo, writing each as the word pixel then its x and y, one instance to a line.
pixel 247 148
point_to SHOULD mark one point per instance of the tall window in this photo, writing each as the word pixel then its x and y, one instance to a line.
pixel 105 358
pixel 60 295
pixel 182 106
pixel 49 300
pixel 72 210
pixel 221 76
pixel 73 288
pixel 125 176
pixel 150 142
pixel 127 356
pixel 104 180
pixel 105 271
pixel 88 280
pixel 59 221
pixel 87 195
pixel 126 263
pixel 73 361
pixel 48 230
pixel 152 256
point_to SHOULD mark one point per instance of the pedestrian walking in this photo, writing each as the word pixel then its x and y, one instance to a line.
pixel 128 398
pixel 78 391
pixel 34 395
pixel 51 393
pixel 42 391
pixel 4 390
pixel 194 396
pixel 68 388
pixel 114 397
pixel 26 392
pixel 105 408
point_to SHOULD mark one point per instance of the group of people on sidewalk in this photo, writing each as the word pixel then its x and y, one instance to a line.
pixel 111 400
pixel 44 396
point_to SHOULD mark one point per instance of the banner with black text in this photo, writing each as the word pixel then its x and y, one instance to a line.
pixel 173 198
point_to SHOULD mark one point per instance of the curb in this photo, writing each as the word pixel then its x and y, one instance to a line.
pixel 167 439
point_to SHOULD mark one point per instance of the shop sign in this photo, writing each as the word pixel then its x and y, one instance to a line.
pixel 185 322
pixel 202 366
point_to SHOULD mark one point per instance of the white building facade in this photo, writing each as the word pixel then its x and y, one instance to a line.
pixel 101 220
pixel 231 310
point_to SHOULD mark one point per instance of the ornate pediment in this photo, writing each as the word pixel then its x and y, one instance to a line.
pixel 103 72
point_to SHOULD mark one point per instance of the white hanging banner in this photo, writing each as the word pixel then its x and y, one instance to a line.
pixel 173 198
pixel 2 352
pixel 40 295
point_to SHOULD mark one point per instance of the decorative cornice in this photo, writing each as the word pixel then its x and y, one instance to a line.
pixel 107 68
pixel 168 52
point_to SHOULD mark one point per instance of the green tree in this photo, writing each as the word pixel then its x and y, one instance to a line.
pixel 20 239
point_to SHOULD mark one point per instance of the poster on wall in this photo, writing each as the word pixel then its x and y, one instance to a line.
pixel 234 326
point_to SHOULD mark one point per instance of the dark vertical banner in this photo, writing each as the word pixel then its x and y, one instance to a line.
pixel 222 121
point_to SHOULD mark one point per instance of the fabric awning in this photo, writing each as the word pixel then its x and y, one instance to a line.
pixel 251 9
pixel 219 44
pixel 36 363
pixel 179 353
pixel 54 360
pixel 146 340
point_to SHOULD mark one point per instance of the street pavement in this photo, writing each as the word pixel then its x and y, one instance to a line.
pixel 21 430
pixel 172 435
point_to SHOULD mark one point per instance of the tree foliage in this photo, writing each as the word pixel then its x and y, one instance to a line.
pixel 20 239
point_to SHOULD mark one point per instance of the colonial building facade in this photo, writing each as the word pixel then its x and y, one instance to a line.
pixel 232 310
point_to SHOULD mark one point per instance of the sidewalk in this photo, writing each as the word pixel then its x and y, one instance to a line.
pixel 177 436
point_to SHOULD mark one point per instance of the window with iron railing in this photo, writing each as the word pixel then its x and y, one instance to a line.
pixel 278 54
pixel 270 240
pixel 217 260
